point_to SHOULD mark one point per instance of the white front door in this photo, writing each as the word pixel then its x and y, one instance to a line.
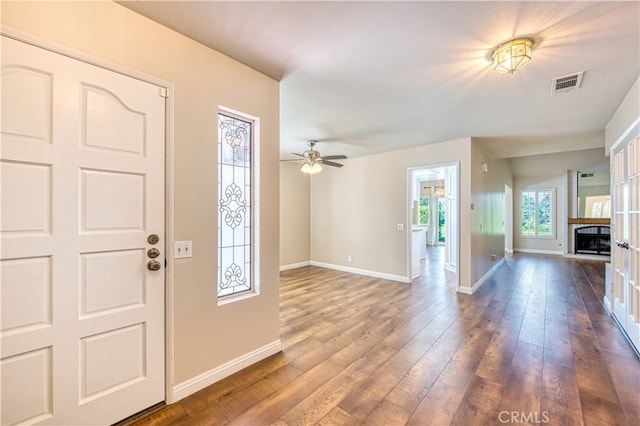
pixel 82 181
pixel 625 287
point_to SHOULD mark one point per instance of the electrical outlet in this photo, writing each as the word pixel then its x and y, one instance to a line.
pixel 349 258
pixel 182 249
pixel 400 227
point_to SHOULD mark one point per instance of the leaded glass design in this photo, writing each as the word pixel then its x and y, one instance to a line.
pixel 234 205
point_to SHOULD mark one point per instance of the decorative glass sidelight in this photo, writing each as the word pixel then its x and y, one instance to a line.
pixel 234 205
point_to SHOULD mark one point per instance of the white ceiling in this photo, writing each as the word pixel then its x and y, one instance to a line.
pixel 367 77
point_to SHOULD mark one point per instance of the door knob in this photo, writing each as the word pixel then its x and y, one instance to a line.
pixel 153 253
pixel 153 239
pixel 153 265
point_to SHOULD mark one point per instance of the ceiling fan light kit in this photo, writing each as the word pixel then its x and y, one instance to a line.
pixel 313 160
pixel 311 168
pixel 512 55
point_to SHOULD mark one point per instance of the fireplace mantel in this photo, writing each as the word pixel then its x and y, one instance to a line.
pixel 588 221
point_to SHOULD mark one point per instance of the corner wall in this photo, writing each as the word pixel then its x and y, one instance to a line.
pixel 295 246
pixel 627 113
pixel 355 210
pixel 488 217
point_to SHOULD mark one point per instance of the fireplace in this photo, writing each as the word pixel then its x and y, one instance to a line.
pixel 593 239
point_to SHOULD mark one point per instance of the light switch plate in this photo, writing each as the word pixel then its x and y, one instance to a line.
pixel 182 249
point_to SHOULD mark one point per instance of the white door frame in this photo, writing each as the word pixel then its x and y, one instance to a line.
pixel 169 170
pixel 410 193
pixel 508 219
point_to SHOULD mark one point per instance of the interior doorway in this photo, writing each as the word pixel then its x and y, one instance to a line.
pixel 433 211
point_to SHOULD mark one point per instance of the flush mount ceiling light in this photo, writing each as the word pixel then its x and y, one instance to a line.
pixel 512 55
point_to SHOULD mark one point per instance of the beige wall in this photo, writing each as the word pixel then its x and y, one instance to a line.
pixel 557 166
pixel 206 336
pixel 627 113
pixel 294 215
pixel 488 217
pixel 355 209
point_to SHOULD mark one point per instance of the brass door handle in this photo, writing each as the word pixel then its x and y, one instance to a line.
pixel 153 265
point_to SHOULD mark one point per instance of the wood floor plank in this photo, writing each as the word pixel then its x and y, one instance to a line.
pixel 523 389
pixel 560 395
pixel 326 397
pixel 268 410
pixel 438 407
pixel 534 342
pixel 480 404
pixel 338 417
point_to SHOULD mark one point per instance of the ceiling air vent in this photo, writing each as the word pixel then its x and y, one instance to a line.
pixel 566 83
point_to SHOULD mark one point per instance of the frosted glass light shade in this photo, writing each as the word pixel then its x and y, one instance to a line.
pixel 311 168
pixel 512 55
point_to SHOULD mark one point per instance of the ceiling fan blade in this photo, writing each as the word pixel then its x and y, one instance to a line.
pixel 334 157
pixel 299 155
pixel 330 163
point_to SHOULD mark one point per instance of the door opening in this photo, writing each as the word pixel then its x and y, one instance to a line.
pixel 433 211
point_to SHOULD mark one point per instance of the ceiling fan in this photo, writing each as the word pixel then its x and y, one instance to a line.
pixel 313 160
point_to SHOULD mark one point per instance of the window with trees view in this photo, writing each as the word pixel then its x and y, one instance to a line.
pixel 537 213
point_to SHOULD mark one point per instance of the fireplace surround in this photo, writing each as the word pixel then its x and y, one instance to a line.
pixel 594 239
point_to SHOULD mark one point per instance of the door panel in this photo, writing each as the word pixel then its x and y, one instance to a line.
pixel 626 251
pixel 82 185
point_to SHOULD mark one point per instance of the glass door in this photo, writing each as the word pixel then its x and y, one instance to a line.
pixel 625 286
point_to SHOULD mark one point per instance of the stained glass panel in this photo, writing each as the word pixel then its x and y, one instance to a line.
pixel 234 205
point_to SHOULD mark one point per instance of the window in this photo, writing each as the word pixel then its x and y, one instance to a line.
pixel 537 213
pixel 424 210
pixel 236 206
pixel 438 215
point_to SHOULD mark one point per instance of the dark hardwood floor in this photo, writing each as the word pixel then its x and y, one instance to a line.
pixel 534 345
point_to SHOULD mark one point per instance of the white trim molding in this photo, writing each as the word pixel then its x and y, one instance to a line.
pixel 295 265
pixel 201 381
pixel 482 280
pixel 365 272
pixel 536 251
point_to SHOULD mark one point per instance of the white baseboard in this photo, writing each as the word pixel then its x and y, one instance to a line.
pixel 607 304
pixel 536 251
pixel 485 277
pixel 588 257
pixel 210 377
pixel 295 265
pixel 362 272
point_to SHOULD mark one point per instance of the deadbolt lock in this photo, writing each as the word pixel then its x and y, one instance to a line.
pixel 153 239
pixel 153 265
pixel 153 253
